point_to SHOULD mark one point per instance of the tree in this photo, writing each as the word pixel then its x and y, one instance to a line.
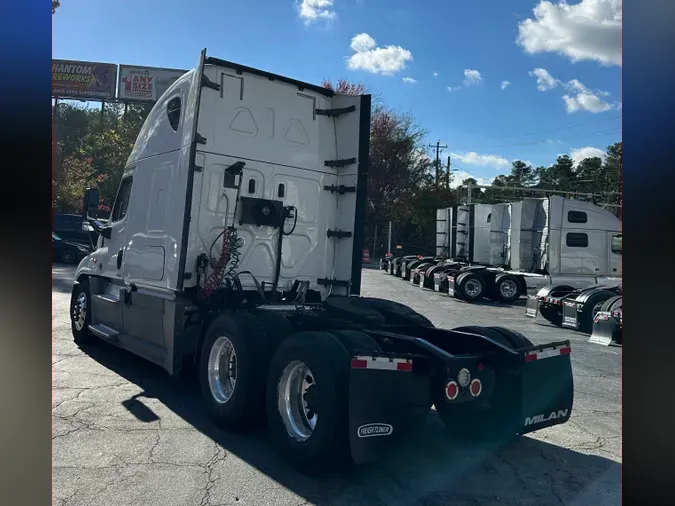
pixel 55 5
pixel 344 87
pixel 398 165
pixel 611 170
pixel 78 174
pixel 105 140
pixel 521 174
pixel 589 175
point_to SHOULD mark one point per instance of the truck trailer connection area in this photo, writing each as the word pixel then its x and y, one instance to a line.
pixel 234 244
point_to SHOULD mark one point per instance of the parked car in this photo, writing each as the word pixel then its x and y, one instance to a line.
pixel 69 228
pixel 66 251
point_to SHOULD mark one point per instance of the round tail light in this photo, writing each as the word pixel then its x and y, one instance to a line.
pixel 476 388
pixel 451 390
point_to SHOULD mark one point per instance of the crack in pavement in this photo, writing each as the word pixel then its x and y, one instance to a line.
pixel 218 456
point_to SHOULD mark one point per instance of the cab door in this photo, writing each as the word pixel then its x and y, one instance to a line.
pixel 106 303
pixel 112 256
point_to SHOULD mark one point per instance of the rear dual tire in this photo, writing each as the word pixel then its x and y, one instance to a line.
pixel 301 392
pixel 310 445
pixel 232 366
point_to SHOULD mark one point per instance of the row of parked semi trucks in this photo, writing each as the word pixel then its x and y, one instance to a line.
pixel 563 254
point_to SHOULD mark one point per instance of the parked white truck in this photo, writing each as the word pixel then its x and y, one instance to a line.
pixel 531 244
pixel 235 243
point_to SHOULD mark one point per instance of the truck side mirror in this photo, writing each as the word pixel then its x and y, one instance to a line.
pixel 90 204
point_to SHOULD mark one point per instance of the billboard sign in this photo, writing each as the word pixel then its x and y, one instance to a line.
pixel 83 80
pixel 145 84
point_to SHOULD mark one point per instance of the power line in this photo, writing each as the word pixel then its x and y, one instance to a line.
pixel 543 141
pixel 578 125
pixel 563 128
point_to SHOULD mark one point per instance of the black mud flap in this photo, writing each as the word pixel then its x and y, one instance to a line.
pixel 384 404
pixel 547 386
pixel 570 314
pixel 606 329
pixel 532 306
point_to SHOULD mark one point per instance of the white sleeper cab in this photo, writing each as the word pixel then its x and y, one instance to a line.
pixel 234 244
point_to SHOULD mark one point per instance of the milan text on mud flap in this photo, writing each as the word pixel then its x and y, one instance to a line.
pixel 375 429
pixel 543 418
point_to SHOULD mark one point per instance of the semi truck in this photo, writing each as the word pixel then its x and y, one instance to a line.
pixel 564 306
pixel 534 243
pixel 234 246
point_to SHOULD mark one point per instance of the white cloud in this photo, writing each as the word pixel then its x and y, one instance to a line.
pixel 585 102
pixel 460 175
pixel 578 96
pixel 584 99
pixel 362 42
pixel 545 81
pixel 505 84
pixel 313 10
pixel 473 158
pixel 579 154
pixel 409 80
pixel 377 60
pixel 454 88
pixel 588 30
pixel 435 74
pixel 471 77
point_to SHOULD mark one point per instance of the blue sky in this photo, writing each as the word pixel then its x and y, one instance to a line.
pixel 562 61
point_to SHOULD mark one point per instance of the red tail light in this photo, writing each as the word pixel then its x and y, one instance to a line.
pixel 451 390
pixel 476 387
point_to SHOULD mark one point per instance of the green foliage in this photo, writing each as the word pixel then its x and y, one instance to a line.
pixel 91 148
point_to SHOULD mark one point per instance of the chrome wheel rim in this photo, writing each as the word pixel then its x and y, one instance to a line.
pixel 508 288
pixel 222 370
pixel 296 400
pixel 473 288
pixel 79 312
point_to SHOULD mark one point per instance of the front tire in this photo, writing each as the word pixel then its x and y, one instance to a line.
pixel 307 415
pixel 80 313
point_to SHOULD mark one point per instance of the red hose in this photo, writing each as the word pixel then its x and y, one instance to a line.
pixel 214 281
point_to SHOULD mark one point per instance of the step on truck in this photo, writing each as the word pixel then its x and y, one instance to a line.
pixel 547 241
pixel 234 245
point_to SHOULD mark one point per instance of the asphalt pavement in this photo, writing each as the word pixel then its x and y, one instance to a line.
pixel 125 433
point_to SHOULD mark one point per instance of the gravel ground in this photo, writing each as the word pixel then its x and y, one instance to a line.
pixel 125 433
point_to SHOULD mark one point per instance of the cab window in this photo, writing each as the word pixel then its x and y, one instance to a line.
pixel 616 244
pixel 122 201
pixel 576 240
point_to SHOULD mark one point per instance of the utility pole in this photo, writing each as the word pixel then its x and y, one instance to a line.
pixel 438 160
pixel 389 239
pixel 447 176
